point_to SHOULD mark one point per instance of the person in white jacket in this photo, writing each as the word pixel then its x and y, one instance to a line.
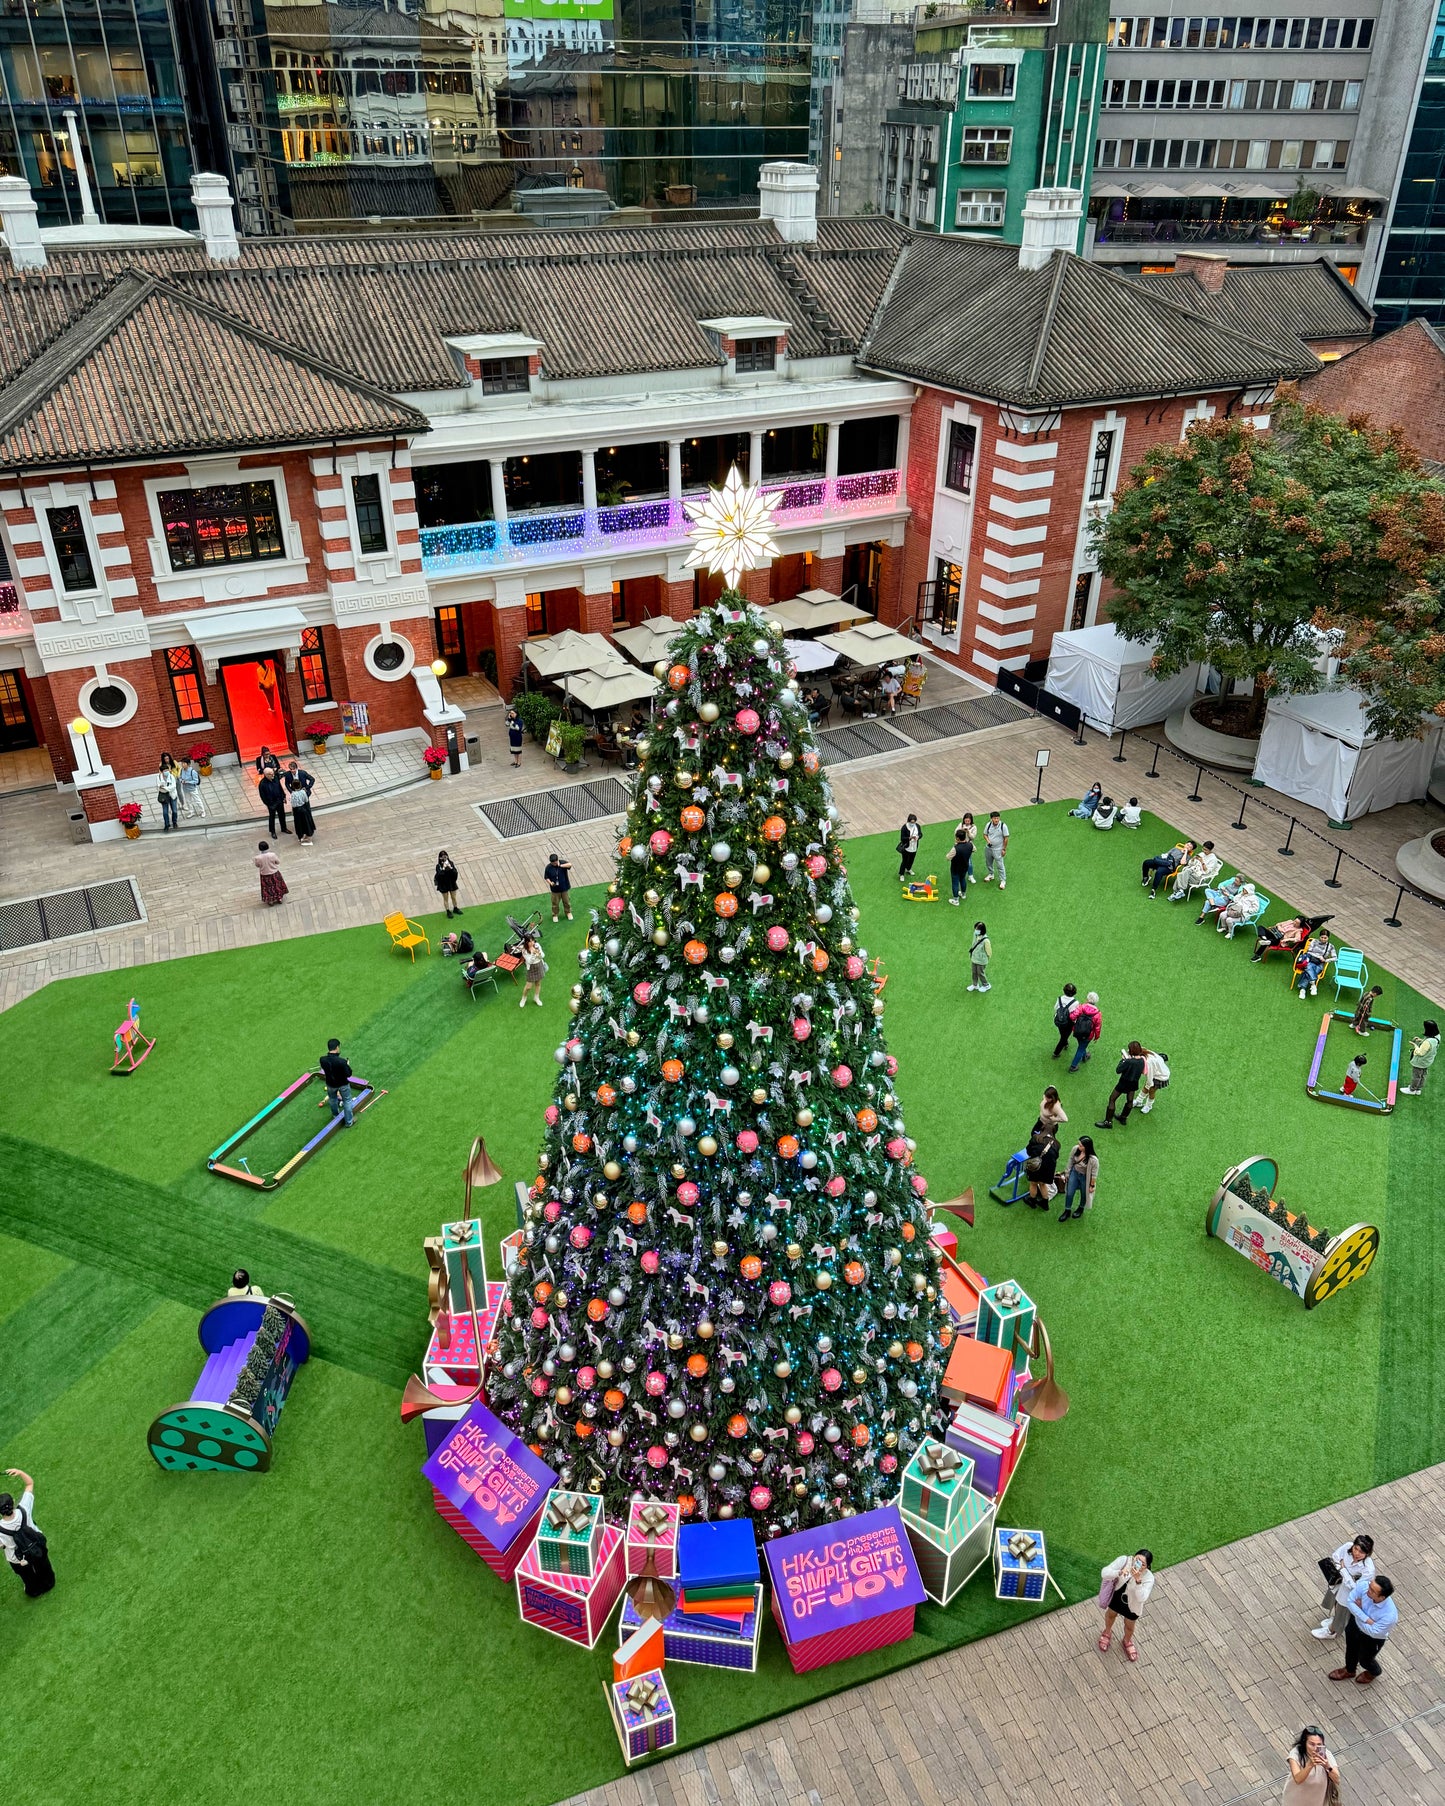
pixel 1355 1561
pixel 1128 1581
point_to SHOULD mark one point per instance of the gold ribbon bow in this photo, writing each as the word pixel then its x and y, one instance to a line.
pixel 642 1696
pixel 569 1511
pixel 1022 1547
pixel 939 1464
pixel 1008 1295
pixel 652 1520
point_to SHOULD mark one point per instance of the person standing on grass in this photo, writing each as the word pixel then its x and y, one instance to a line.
pixel 909 836
pixel 514 736
pixel 1364 1009
pixel 1040 1166
pixel 534 968
pixel 1314 1776
pixel 1156 1078
pixel 980 952
pixel 273 885
pixel 1068 1002
pixel 445 880
pixel 960 862
pixel 299 785
pixel 558 878
pixel 191 804
pixel 1081 1179
pixel 1124 1591
pixel 336 1070
pixel 1423 1049
pixel 25 1546
pixel 1086 1027
pixel 1373 1615
pixel 1131 1072
pixel 272 793
pixel 995 850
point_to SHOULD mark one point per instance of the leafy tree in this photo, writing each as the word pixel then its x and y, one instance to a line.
pixel 1238 548
pixel 1398 661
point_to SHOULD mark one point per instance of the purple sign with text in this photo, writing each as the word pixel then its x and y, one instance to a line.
pixel 492 1478
pixel 844 1573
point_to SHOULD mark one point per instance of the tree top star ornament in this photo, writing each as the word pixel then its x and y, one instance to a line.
pixel 732 529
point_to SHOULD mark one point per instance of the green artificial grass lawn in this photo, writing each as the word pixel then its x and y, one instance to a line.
pixel 319 1630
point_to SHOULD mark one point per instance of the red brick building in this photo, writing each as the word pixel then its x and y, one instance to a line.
pixel 1397 380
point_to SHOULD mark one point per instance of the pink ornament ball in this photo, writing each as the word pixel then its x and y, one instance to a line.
pixel 656 1384
pixel 836 1186
pixel 898 1147
pixel 854 968
pixel 650 1261
pixel 778 940
pixel 539 1386
pixel 580 1236
pixel 550 1114
pixel 760 1498
pixel 920 1184
pixel 747 721
pixel 842 1077
pixel 657 1455
pixel 660 841
pixel 817 866
pixel 551 1210
pixel 832 1379
pixel 642 992
pixel 805 1442
pixel 747 1141
pixel 687 1192
pixel 779 1292
pixel 616 908
pixel 888 1463
pixel 892 1066
pixel 802 1028
pixel 586 1377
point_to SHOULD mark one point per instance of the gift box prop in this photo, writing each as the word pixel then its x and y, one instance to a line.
pixel 992 1442
pixel 726 1642
pixel 949 1558
pixel 457 1290
pixel 936 1483
pixel 1006 1320
pixel 253 1348
pixel 642 1651
pixel 1021 1565
pixel 1314 1265
pixel 843 1589
pixel 643 1715
pixel 652 1532
pixel 980 1374
pixel 962 1289
pixel 569 1537
pixel 574 1606
pixel 490 1487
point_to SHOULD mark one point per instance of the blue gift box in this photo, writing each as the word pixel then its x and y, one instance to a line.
pixel 1020 1564
pixel 721 1553
pixel 643 1715
pixel 683 1641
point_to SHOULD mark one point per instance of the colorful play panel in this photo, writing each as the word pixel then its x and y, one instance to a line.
pixel 1363 1098
pixel 1248 1217
pixel 363 1093
pixel 253 1348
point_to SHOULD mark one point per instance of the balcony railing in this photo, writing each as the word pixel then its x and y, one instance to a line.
pixel 552 533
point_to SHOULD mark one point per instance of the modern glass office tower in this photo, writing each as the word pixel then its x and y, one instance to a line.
pixel 1412 271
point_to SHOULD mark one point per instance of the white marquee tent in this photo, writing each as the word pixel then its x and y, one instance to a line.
pixel 1110 680
pixel 1319 750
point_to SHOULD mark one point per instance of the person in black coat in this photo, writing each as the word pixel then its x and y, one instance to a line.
pixel 299 785
pixel 273 794
pixel 909 836
pixel 445 879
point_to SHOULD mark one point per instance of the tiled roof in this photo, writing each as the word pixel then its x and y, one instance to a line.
pixel 1289 303
pixel 145 367
pixel 962 313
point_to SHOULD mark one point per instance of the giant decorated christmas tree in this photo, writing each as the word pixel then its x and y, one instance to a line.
pixel 728 1294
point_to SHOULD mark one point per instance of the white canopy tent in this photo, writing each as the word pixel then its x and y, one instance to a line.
pixel 1319 750
pixel 1109 679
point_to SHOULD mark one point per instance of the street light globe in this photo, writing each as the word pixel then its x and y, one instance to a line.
pixel 439 667
pixel 80 725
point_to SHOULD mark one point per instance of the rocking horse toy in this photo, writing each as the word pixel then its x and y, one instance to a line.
pixel 921 890
pixel 131 1046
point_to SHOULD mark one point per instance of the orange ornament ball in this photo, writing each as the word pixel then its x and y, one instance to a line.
pixel 596 1309
pixel 695 952
pixel 697 1365
pixel 637 1211
pixel 613 1399
pixel 582 1427
pixel 914 1351
pixel 693 819
pixel 737 1425
pixel 820 961
pixel 678 676
pixel 725 904
pixel 867 1120
pixel 542 1291
pixel 606 1094
pixel 909 1232
pixel 855 1272
pixel 860 1435
pixel 787 1146
pixel 624 846
pixel 686 1504
pixel 945 1336
pixel 810 762
pixel 672 1071
pixel 581 1143
pixel 774 828
pixel 751 1267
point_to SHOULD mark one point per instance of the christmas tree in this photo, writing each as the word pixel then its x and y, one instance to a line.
pixel 728 1294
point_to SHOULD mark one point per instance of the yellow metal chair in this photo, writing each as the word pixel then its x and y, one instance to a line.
pixel 406 934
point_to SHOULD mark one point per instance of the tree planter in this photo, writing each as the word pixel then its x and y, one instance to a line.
pixel 318 747
pixel 1422 863
pixel 1207 746
pixel 204 767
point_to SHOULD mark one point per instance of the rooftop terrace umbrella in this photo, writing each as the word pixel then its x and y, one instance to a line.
pixel 816 608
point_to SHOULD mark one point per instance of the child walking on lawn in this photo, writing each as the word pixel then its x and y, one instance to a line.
pixel 1361 1020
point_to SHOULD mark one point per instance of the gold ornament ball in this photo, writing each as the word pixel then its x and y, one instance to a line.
pixel 761 874
pixel 707 711
pixel 570 1100
pixel 895 1349
pixel 575 1005
pixel 660 939
pixel 595 996
pixel 804 1118
pixel 564 1395
pixel 800 1489
pixel 795 1251
pixel 577 990
pixel 633 1037
pixel 732 877
pixel 615 1438
pixel 930 1294
pixel 698 1432
pixel 859 1376
pixel 756 1456
pixel 674 1340
pixel 785 761
pixel 782 1369
pixel 792 1415
pixel 706 1145
pixel 651 899
pixel 759 1095
pixel 559 1298
pixel 705 1329
pixel 823 1281
pixel 725 1039
pixel 720 1249
pixel 612 1170
pixel 877 1002
pixel 684 780
pixel 890 1439
pixel 679 1171
pixel 845 945
pixel 604 1370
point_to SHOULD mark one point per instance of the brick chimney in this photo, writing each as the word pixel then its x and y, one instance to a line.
pixel 1206 267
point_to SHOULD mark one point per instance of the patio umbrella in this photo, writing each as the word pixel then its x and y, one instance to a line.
pixel 569 651
pixel 609 686
pixel 809 655
pixel 649 640
pixel 871 644
pixel 816 608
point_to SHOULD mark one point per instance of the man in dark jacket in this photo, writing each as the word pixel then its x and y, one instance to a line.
pixel 336 1070
pixel 272 793
pixel 1131 1071
pixel 558 879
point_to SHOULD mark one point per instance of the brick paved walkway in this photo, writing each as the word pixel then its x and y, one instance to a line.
pixel 1227 1676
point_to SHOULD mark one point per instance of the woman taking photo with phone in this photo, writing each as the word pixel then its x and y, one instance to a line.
pixel 1314 1778
pixel 1124 1591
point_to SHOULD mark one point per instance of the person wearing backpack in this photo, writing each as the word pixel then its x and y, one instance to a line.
pixel 25 1547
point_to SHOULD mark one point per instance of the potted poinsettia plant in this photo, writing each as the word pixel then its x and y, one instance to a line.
pixel 435 757
pixel 202 752
pixel 130 814
pixel 319 732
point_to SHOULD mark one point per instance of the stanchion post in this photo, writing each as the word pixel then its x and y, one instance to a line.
pixel 1287 851
pixel 1243 805
pixel 1079 739
pixel 1393 919
pixel 1333 881
pixel 1119 758
pixel 1153 771
pixel 1194 796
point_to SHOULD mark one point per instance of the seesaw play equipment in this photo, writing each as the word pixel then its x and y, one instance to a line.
pixel 1364 1098
pixel 131 1046
pixel 363 1093
pixel 253 1348
pixel 1311 1263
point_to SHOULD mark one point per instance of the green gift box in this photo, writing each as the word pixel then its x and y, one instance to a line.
pixel 936 1482
pixel 948 1559
pixel 570 1535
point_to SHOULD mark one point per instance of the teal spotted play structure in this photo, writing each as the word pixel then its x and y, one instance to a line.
pixel 253 1347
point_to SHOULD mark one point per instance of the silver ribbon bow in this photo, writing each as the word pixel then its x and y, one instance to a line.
pixel 939 1464
pixel 1008 1295
pixel 569 1511
pixel 652 1520
pixel 643 1696
pixel 1022 1547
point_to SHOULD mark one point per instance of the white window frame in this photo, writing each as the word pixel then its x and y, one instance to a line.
pixel 70 495
pixel 986 136
pixel 973 198
pixel 370 464
pixel 246 579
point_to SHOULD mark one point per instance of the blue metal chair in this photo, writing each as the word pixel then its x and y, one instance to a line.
pixel 1351 973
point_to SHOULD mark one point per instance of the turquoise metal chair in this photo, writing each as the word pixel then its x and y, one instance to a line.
pixel 1351 973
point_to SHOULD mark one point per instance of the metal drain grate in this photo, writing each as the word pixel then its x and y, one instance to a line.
pixel 954 718
pixel 546 810
pixel 63 914
pixel 857 740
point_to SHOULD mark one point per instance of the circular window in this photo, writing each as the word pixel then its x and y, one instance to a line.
pixel 389 657
pixel 107 701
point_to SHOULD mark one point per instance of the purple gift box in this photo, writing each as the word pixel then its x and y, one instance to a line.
pixel 643 1715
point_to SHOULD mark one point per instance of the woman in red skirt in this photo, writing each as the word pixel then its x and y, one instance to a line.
pixel 273 885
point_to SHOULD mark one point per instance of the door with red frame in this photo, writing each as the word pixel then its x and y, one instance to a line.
pixel 16 728
pixel 256 697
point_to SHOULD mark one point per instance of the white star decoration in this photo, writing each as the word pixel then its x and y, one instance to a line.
pixel 732 529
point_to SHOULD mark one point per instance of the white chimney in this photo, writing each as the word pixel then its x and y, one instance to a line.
pixel 788 196
pixel 1051 223
pixel 211 196
pixel 19 221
